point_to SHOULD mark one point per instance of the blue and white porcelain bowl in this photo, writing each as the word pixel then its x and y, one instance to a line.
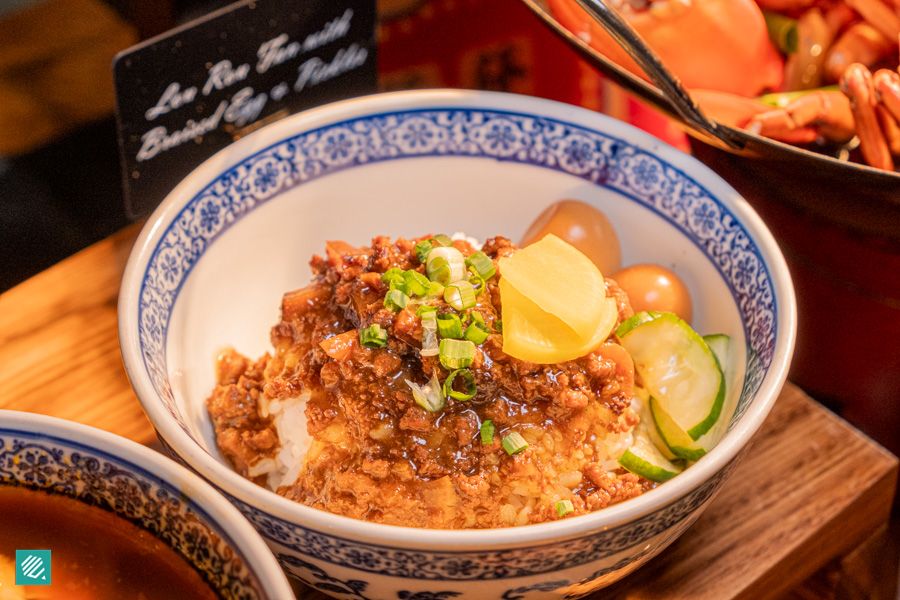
pixel 212 263
pixel 147 489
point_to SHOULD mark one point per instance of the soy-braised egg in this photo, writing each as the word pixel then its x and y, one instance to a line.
pixel 582 226
pixel 653 287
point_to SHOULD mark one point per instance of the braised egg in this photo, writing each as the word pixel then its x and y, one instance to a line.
pixel 652 287
pixel 582 226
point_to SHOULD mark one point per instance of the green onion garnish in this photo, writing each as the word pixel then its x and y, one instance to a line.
pixel 460 295
pixel 477 284
pixel 445 265
pixel 416 284
pixel 514 443
pixel 425 308
pixel 477 318
pixel 564 507
pixel 438 270
pixel 392 276
pixel 482 265
pixel 428 396
pixel 435 290
pixel 468 380
pixel 449 326
pixel 442 240
pixel 476 334
pixel 429 333
pixel 487 432
pixel 456 354
pixel 498 325
pixel 395 300
pixel 373 336
pixel 422 249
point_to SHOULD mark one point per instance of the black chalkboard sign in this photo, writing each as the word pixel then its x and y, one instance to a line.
pixel 185 95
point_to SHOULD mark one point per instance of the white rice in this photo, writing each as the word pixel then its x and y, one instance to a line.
pixel 618 443
pixel 289 418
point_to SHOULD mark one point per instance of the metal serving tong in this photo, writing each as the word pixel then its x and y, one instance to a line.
pixel 668 83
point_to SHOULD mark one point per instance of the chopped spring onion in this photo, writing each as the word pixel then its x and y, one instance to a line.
pixel 460 295
pixel 477 284
pixel 449 326
pixel 393 277
pixel 442 240
pixel 477 318
pixel 395 300
pixel 425 308
pixel 373 336
pixel 468 379
pixel 482 265
pixel 498 325
pixel 435 290
pixel 514 443
pixel 429 333
pixel 564 507
pixel 428 396
pixel 438 270
pixel 487 432
pixel 422 250
pixel 446 265
pixel 415 283
pixel 476 334
pixel 456 354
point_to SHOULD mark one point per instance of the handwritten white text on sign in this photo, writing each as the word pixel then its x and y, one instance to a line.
pixel 246 104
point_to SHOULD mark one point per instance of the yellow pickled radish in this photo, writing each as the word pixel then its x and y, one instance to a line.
pixel 547 317
pixel 560 280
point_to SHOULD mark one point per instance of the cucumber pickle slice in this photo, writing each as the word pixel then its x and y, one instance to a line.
pixel 676 440
pixel 644 459
pixel 678 368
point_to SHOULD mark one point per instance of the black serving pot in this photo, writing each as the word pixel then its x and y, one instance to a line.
pixel 838 225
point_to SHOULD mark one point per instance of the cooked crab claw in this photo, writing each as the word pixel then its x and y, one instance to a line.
pixel 881 15
pixel 857 84
pixel 819 114
pixel 887 90
pixel 887 93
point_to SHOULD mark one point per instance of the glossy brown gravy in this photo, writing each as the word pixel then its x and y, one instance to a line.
pixel 95 555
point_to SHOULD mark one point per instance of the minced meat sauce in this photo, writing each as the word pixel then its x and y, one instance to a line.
pixel 377 455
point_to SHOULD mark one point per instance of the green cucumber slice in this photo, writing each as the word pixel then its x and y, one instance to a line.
pixel 678 369
pixel 635 320
pixel 677 441
pixel 642 399
pixel 645 459
pixel 720 344
pixel 674 437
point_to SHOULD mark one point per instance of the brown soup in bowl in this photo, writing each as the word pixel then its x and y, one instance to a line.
pixel 95 555
pixel 88 515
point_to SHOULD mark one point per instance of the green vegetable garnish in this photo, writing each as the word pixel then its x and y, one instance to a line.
pixel 482 265
pixel 373 336
pixel 487 432
pixel 564 507
pixel 456 354
pixel 514 443
pixel 468 380
pixel 449 326
pixel 460 295
pixel 395 300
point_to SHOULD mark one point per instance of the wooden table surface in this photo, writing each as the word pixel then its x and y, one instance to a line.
pixel 809 506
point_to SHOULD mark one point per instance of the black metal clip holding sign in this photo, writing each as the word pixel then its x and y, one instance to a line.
pixel 186 94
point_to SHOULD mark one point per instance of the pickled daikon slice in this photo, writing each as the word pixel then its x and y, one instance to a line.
pixel 555 306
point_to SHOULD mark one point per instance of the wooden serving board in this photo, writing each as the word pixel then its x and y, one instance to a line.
pixel 813 491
